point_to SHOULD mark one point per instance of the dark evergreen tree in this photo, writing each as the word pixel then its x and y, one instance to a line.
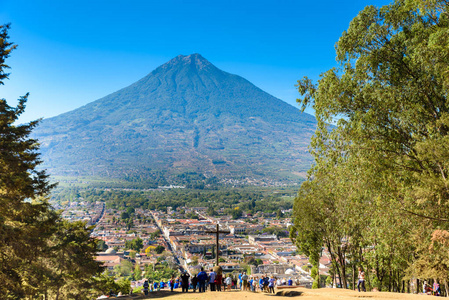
pixel 39 253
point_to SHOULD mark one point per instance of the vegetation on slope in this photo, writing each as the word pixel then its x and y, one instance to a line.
pixel 185 116
pixel 378 195
pixel 41 255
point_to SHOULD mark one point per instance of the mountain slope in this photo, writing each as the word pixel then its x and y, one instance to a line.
pixel 186 115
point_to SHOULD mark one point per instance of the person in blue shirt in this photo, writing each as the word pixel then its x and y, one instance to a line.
pixel 202 277
pixel 261 283
pixel 155 285
pixel 265 282
pixel 290 281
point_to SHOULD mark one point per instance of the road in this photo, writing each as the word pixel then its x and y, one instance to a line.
pixel 175 257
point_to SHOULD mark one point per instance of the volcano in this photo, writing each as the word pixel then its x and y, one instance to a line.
pixel 185 116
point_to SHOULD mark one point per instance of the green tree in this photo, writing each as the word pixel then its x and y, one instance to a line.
pixel 125 268
pixel 134 244
pixel 33 236
pixel 159 249
pixel 236 213
pixel 73 266
pixel 155 235
pixel 102 245
pixel 137 272
pixel 384 163
pixel 279 214
pixel 124 215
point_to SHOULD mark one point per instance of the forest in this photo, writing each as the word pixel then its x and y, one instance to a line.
pixel 378 193
pixel 249 200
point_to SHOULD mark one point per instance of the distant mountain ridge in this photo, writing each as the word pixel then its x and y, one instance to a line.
pixel 185 116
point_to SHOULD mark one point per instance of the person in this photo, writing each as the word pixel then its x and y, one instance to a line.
pixel 212 276
pixel 146 285
pixel 250 283
pixel 185 281
pixel 278 282
pixel 265 283
pixel 202 277
pixel 290 281
pixel 245 281
pixel 261 283
pixel 171 283
pixel 155 285
pixel 218 281
pixel 271 284
pixel 361 282
pixel 296 281
pixel 240 281
pixel 436 288
pixel 228 282
pixel 194 283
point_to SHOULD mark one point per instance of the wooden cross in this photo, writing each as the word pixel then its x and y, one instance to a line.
pixel 218 234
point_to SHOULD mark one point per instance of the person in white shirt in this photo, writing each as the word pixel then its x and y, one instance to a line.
pixel 228 282
pixel 361 282
pixel 212 275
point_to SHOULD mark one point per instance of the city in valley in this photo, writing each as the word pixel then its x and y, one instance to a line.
pixel 156 244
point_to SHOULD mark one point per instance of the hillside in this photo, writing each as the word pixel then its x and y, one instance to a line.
pixel 185 116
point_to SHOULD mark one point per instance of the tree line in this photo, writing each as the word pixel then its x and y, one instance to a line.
pixel 378 193
pixel 224 198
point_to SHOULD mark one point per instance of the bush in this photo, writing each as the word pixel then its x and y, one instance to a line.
pixel 316 283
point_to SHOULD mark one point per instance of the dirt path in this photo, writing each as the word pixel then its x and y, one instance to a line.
pixel 298 293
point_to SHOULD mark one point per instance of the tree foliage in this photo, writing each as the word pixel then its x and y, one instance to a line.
pixel 40 254
pixel 379 186
pixel 134 244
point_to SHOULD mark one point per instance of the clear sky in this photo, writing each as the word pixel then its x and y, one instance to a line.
pixel 74 52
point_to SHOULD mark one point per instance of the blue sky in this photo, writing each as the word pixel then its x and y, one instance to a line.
pixel 73 52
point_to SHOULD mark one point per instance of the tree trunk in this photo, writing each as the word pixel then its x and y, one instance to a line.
pixel 334 260
pixel 389 281
pixel 353 277
pixel 446 288
pixel 368 280
pixel 342 261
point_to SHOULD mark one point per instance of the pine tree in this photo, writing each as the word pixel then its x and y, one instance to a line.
pixel 40 254
pixel 25 222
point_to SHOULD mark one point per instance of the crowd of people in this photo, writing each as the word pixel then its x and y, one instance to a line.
pixel 218 282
